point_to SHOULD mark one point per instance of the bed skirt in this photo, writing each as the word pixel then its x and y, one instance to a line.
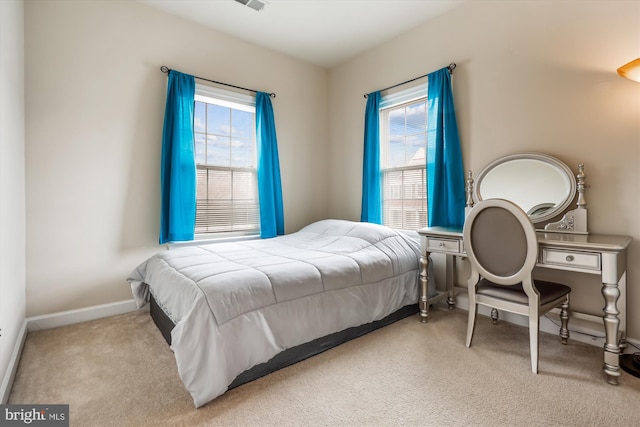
pixel 293 354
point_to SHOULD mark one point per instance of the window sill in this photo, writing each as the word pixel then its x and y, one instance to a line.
pixel 207 240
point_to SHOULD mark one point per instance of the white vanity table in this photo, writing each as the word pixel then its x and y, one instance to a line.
pixel 562 245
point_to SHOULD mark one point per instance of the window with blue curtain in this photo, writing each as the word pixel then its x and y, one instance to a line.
pixel 220 172
pixel 413 174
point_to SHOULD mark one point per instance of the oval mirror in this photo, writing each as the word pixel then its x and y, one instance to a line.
pixel 541 185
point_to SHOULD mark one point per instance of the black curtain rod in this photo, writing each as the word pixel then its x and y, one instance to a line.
pixel 451 67
pixel 166 70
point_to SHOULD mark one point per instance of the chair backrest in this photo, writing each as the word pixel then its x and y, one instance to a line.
pixel 500 241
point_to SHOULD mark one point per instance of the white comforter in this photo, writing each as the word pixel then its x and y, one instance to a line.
pixel 236 305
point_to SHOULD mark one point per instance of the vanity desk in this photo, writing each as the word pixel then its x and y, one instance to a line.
pixel 563 245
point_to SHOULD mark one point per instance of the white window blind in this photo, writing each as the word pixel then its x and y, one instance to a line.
pixel 225 150
pixel 403 141
pixel 408 93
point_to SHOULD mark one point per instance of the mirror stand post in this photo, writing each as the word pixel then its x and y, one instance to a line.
pixel 574 221
pixel 469 190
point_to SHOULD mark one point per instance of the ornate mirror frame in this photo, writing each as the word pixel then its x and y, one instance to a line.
pixel 574 221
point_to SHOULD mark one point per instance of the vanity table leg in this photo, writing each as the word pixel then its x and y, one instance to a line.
pixel 424 291
pixel 611 293
pixel 622 308
pixel 450 275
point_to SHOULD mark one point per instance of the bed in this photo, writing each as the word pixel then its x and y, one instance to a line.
pixel 235 311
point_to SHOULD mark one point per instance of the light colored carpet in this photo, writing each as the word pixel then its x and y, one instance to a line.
pixel 119 372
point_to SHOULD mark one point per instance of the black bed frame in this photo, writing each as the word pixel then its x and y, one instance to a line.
pixel 294 354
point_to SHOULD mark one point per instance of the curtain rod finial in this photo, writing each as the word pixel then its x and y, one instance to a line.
pixel 366 95
pixel 452 67
pixel 164 69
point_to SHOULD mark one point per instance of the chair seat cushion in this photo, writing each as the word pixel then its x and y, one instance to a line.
pixel 549 291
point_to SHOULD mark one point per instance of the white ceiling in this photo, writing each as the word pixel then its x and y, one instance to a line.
pixel 322 32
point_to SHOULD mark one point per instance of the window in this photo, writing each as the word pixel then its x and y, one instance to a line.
pixel 403 144
pixel 225 150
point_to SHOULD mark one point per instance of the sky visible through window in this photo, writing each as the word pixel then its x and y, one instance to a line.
pixel 224 136
pixel 407 139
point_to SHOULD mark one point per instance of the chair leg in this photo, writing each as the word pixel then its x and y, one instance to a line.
pixel 473 305
pixel 471 323
pixel 564 319
pixel 495 315
pixel 534 321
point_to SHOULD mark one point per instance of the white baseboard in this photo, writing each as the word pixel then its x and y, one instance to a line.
pixel 70 317
pixel 54 320
pixel 10 373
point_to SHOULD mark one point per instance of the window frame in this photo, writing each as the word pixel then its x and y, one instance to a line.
pixel 237 101
pixel 417 93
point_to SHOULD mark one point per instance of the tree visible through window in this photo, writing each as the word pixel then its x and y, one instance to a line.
pixel 403 141
pixel 225 150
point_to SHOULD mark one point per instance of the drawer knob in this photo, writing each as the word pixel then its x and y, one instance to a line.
pixel 442 244
pixel 569 258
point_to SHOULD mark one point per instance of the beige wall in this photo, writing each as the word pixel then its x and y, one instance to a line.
pixel 531 76
pixel 94 106
pixel 12 185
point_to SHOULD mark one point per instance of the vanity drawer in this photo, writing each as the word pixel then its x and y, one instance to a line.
pixel 584 260
pixel 438 244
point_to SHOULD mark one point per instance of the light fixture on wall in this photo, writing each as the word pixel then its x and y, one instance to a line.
pixel 256 5
pixel 631 70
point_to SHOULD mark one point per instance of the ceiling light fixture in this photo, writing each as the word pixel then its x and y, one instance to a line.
pixel 256 5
